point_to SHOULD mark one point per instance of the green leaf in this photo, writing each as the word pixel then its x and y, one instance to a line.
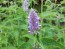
pixel 47 42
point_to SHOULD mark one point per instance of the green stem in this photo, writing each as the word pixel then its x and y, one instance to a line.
pixel 55 1
pixel 41 12
pixel 41 24
pixel 35 40
pixel 41 19
pixel 41 45
pixel 6 39
pixel 31 4
pixel 41 6
pixel 18 34
pixel 0 41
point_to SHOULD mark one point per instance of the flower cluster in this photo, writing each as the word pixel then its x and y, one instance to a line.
pixel 33 21
pixel 25 5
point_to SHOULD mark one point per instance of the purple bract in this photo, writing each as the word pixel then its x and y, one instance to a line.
pixel 33 21
pixel 25 5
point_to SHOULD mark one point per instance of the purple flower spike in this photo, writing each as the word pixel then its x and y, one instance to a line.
pixel 33 21
pixel 25 5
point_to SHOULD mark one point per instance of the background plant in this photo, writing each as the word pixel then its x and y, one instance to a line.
pixel 14 24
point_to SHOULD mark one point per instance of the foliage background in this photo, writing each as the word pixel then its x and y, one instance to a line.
pixel 14 24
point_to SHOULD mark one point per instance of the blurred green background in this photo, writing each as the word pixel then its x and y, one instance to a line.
pixel 14 24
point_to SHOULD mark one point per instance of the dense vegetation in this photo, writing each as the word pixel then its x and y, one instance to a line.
pixel 14 24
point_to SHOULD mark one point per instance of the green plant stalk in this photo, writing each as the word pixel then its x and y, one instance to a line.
pixel 31 4
pixel 58 25
pixel 0 41
pixel 41 6
pixel 12 26
pixel 40 37
pixel 6 39
pixel 17 39
pixel 35 39
pixel 55 1
pixel 41 45
pixel 64 37
pixel 41 19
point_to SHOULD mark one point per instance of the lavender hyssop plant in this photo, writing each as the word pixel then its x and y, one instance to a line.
pixel 33 21
pixel 25 5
